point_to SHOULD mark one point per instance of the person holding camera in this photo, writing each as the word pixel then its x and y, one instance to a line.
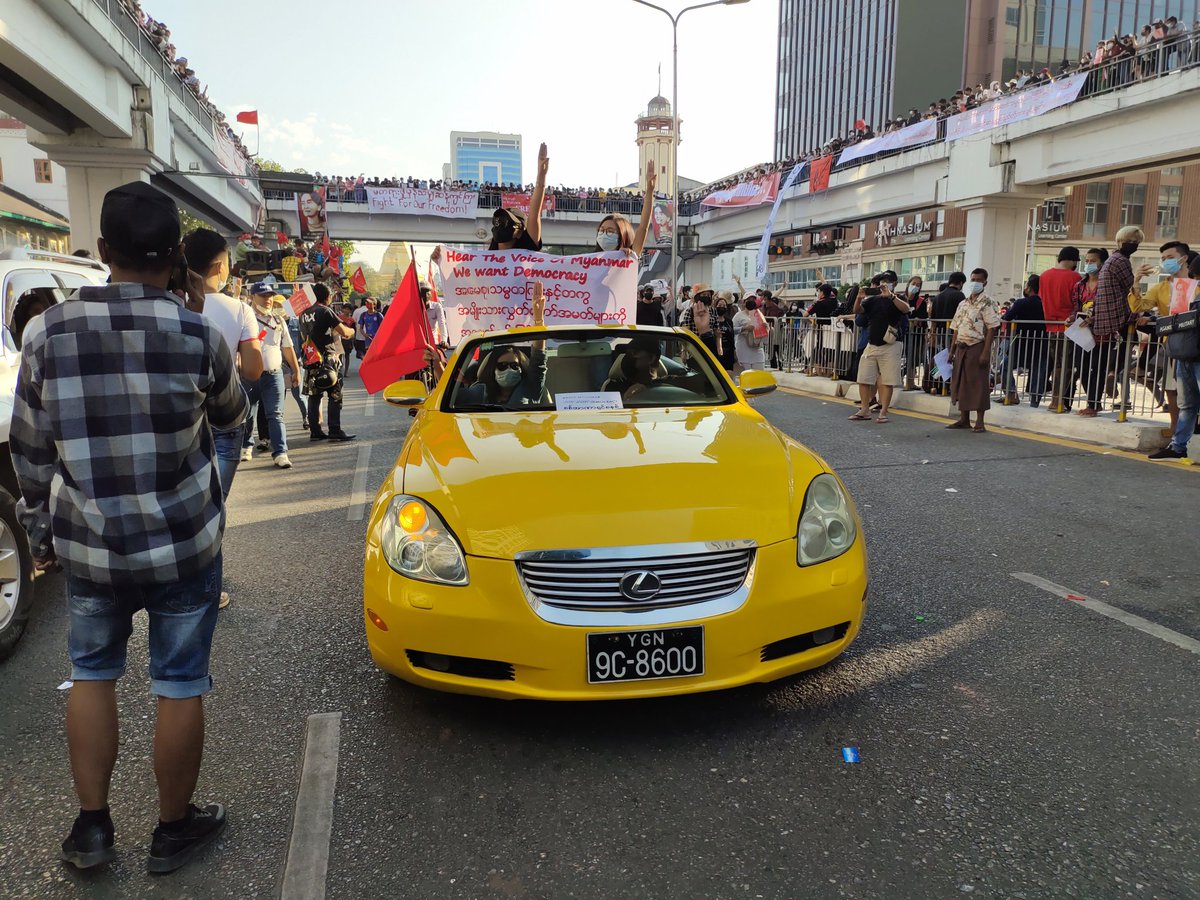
pixel 881 362
pixel 321 327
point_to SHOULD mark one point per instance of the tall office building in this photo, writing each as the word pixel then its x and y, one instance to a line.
pixel 844 60
pixel 485 156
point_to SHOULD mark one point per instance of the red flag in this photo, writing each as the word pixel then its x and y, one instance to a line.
pixel 358 281
pixel 399 345
pixel 860 125
pixel 249 117
pixel 818 176
pixel 281 238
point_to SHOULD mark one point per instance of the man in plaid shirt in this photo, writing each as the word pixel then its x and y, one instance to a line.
pixel 111 440
pixel 1110 316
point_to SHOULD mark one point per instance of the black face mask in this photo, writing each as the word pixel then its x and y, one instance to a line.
pixel 503 232
pixel 1129 248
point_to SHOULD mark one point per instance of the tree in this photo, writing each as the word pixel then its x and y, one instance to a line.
pixel 190 223
pixel 269 165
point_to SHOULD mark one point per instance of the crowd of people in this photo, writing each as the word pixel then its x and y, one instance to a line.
pixel 1071 335
pixel 1118 61
pixel 160 36
pixel 133 506
pixel 353 189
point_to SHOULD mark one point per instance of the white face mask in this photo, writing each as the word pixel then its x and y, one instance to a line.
pixel 509 378
pixel 1091 269
pixel 913 290
pixel 977 287
pixel 608 241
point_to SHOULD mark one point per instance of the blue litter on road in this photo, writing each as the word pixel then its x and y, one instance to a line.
pixel 850 754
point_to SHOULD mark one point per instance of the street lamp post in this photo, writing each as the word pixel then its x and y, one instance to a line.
pixel 675 127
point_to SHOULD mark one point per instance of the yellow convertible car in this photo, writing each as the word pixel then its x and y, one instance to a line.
pixel 598 513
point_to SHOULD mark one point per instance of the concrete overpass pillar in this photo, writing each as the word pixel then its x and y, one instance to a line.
pixel 86 187
pixel 997 240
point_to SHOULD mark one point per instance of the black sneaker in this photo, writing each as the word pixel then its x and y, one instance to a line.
pixel 318 436
pixel 174 844
pixel 89 845
pixel 1168 452
pixel 341 436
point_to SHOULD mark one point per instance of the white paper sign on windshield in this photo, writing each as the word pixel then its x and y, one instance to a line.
pixel 588 400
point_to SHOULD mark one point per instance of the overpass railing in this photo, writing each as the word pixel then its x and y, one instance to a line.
pixel 146 48
pixel 630 207
pixel 1031 364
pixel 1164 58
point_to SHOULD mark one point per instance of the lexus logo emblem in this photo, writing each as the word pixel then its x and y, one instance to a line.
pixel 639 586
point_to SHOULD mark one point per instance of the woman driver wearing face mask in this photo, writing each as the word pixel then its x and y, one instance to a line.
pixel 509 377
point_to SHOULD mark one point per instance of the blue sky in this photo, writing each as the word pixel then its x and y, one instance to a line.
pixel 377 87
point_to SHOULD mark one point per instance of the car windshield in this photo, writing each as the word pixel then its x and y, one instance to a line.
pixel 594 369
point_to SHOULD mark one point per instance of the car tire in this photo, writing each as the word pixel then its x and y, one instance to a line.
pixel 16 576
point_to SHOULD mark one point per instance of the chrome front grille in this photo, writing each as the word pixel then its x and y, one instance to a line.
pixel 592 580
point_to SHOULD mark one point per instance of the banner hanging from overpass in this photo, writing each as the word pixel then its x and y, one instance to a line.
pixel 911 136
pixel 749 193
pixel 1016 107
pixel 423 202
pixel 522 202
pixel 492 290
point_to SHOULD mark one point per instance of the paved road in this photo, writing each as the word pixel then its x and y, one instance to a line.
pixel 1013 744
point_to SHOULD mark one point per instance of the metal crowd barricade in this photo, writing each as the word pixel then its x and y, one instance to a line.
pixel 1129 374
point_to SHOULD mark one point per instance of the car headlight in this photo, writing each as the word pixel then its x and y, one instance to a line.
pixel 417 543
pixel 827 528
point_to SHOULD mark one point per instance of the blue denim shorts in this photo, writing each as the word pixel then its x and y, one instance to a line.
pixel 182 615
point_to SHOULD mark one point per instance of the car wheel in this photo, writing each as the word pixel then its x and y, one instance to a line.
pixel 16 576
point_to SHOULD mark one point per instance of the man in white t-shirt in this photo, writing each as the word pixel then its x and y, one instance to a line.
pixel 208 256
pixel 360 337
pixel 268 391
pixel 436 314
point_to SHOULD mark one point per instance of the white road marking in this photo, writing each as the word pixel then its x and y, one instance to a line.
pixel 358 488
pixel 308 851
pixel 370 410
pixel 1099 606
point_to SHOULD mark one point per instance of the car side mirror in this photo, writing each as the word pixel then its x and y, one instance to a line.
pixel 406 393
pixel 755 383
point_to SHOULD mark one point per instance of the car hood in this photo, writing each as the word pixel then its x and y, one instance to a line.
pixel 510 483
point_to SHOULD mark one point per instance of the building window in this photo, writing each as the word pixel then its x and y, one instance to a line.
pixel 1095 210
pixel 1133 205
pixel 1168 211
pixel 1173 170
pixel 42 173
pixel 1012 16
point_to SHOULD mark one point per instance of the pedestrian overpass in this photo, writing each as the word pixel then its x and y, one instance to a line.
pixel 997 176
pixel 102 102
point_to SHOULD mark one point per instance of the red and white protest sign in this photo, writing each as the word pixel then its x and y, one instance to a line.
pixel 748 193
pixel 521 202
pixel 301 299
pixel 1183 292
pixel 493 290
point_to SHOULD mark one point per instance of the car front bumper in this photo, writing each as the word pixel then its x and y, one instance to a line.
pixel 519 655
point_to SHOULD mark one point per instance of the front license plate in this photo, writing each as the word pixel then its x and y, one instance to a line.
pixel 643 655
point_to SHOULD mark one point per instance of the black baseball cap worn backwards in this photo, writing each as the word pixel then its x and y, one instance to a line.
pixel 140 222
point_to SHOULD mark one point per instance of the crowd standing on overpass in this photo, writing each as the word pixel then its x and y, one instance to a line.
pixel 1162 45
pixel 160 35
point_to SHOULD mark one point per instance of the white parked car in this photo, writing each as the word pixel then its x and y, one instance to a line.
pixel 26 277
